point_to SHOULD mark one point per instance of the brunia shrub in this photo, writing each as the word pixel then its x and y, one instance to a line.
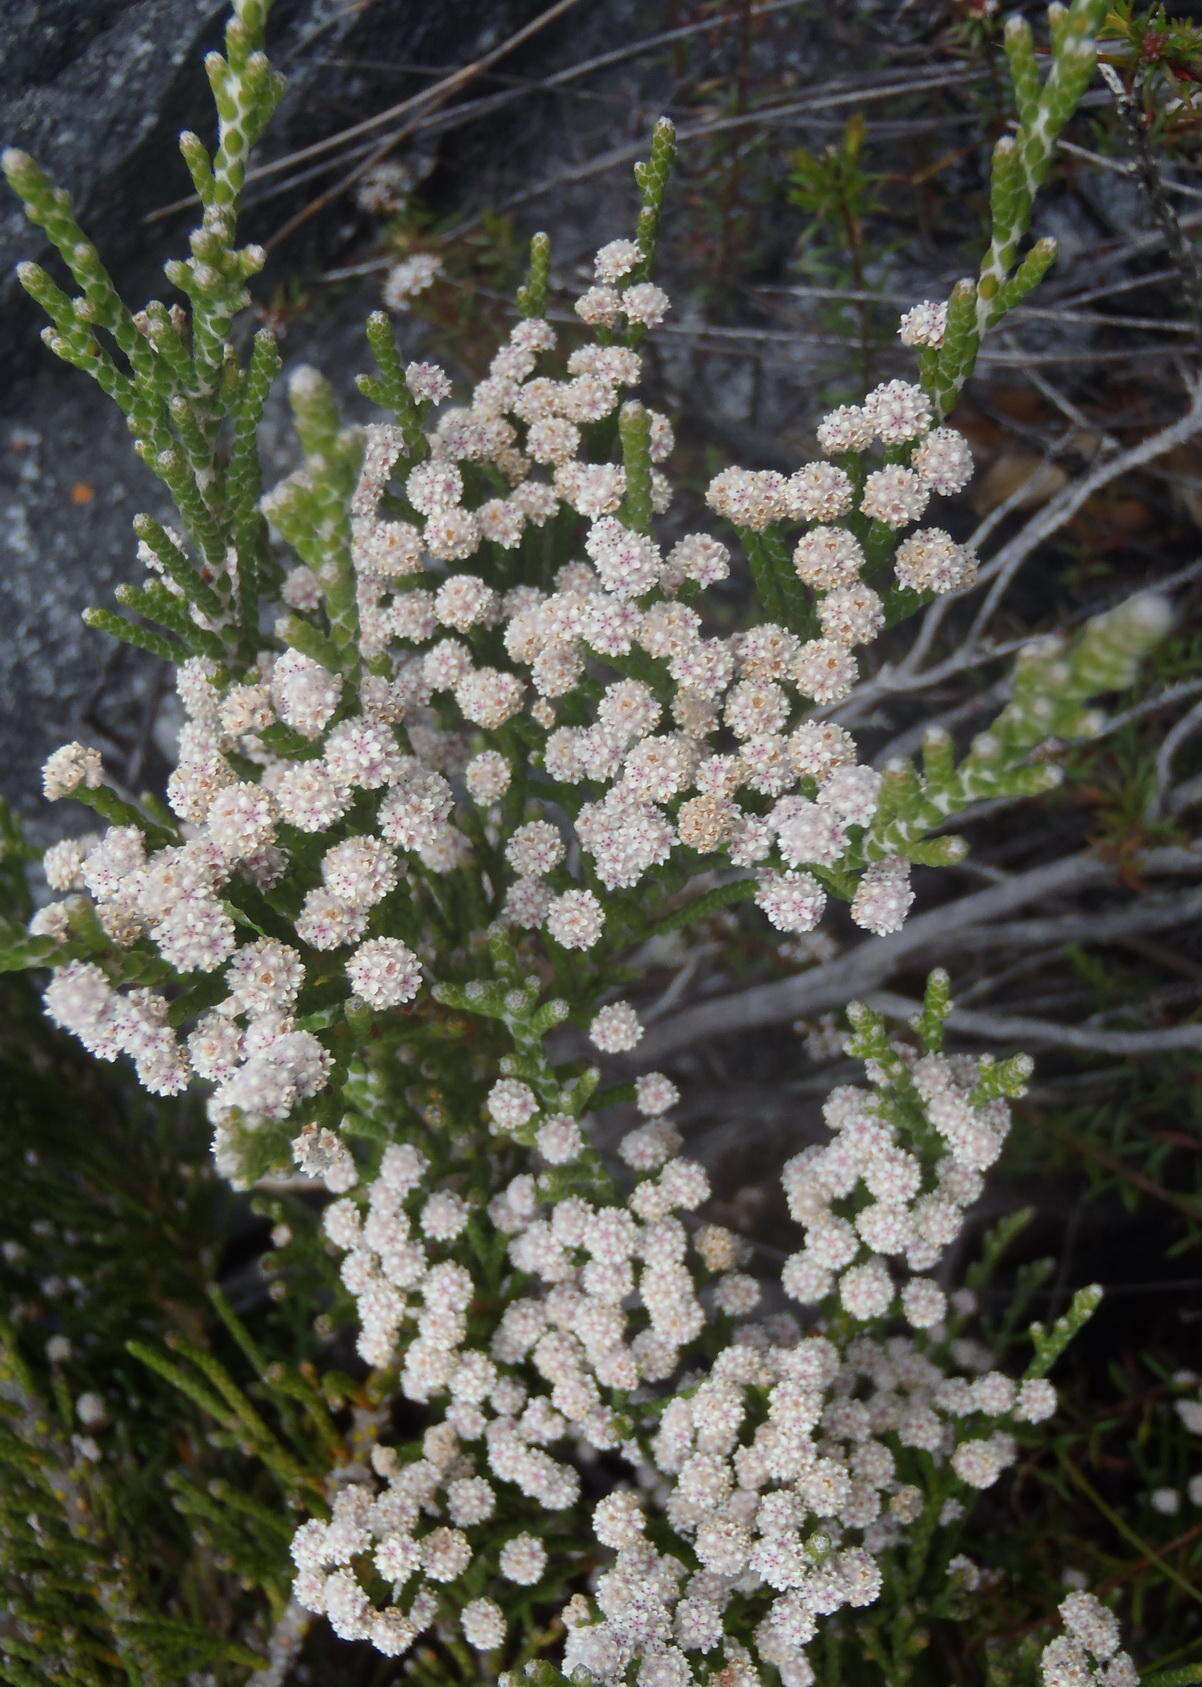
pixel 463 734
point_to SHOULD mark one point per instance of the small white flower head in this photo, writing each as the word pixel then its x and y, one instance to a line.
pixel 628 563
pixel 391 1632
pixel 898 412
pixel 91 1411
pixel 816 748
pixel 559 1140
pixel 487 776
pixel 655 1094
pixel 943 461
pixel 645 303
pixel 924 324
pixel 483 1624
pixel 846 428
pixel 535 849
pixel 851 614
pixel 427 382
pixel 923 1302
pixel 883 896
pixel 1035 1401
pixel 894 495
pixel 265 977
pixel 326 922
pixel 931 561
pixel 599 307
pixel 464 602
pixel 67 769
pixel 575 919
pixel 384 972
pixel 1089 1621
pixel 696 557
pixel 850 792
pixel 434 486
pixel 63 864
pixel 196 936
pixel 523 1559
pixel 489 697
pixel 866 1291
pixel 385 187
pixel 792 901
pixel 444 1216
pixel 1190 1413
pixel 241 820
pixel 618 1519
pixel 980 1463
pixel 616 259
pixel 246 709
pixel 615 1028
pixel 360 870
pixel 818 492
pixel 446 1554
pixel 825 670
pixel 511 1104
pixel 410 277
pixel 321 1154
pixel 401 1169
pixel 753 498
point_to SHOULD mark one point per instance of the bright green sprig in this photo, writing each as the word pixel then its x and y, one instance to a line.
pixel 210 1387
pixel 998 1240
pixel 779 591
pixel 70 335
pixel 634 429
pixel 175 471
pixel 1050 1344
pixel 389 389
pixel 997 1078
pixel 246 91
pixel 870 1039
pixel 532 294
pixel 176 566
pixel 131 632
pixel 174 376
pixel 651 179
pixel 944 370
pixel 50 209
pixel 936 1005
pixel 702 906
pixel 157 603
pixel 105 801
pixel 244 482
pixel 1019 166
pixel 1053 682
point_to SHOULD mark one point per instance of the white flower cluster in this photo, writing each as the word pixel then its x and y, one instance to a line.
pixel 411 276
pixel 1088 1653
pixel 829 557
pixel 545 1379
pixel 783 1463
pixel 870 1196
pixel 711 759
pixel 494 716
pixel 185 897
